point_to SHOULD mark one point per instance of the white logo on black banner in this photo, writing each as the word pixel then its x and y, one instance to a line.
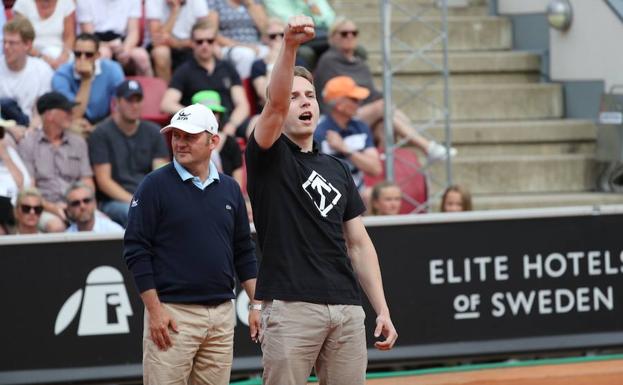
pixel 321 192
pixel 105 305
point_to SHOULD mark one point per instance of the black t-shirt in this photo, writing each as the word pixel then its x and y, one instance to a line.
pixel 190 78
pixel 231 156
pixel 130 157
pixel 300 201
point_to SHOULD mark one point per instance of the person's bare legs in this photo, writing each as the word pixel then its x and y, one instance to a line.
pixel 162 62
pixel 373 112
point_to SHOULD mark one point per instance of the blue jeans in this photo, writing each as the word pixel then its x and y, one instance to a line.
pixel 117 211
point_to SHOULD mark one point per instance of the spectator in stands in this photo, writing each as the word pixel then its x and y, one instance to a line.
pixel 322 14
pixel 205 72
pixel 28 210
pixel 385 199
pixel 89 81
pixel 55 158
pixel 227 155
pixel 261 68
pixel 13 173
pixel 170 23
pixel 340 59
pixel 123 149
pixel 117 24
pixel 456 198
pixel 22 78
pixel 82 213
pixel 55 27
pixel 2 22
pixel 240 24
pixel 343 136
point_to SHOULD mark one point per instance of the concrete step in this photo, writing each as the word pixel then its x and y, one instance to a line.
pixel 540 137
pixel 503 174
pixel 355 10
pixel 516 201
pixel 464 33
pixel 535 200
pixel 465 67
pixel 407 3
pixel 484 102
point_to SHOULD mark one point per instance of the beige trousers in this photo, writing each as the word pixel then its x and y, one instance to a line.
pixel 297 336
pixel 202 351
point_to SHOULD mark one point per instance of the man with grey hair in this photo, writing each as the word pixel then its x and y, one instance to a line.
pixel 80 200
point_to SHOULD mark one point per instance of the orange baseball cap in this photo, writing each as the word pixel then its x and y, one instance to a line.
pixel 343 86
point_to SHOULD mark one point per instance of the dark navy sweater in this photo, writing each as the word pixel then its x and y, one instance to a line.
pixel 187 243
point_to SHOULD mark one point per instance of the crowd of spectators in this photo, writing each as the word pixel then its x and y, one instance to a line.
pixel 73 146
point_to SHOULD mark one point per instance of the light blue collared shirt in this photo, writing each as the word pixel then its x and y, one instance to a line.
pixel 185 175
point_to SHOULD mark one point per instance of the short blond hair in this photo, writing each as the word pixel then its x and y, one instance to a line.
pixel 21 26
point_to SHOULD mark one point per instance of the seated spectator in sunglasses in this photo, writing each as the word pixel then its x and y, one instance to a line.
pixel 28 210
pixel 82 213
pixel 322 14
pixel 55 158
pixel 55 27
pixel 261 68
pixel 88 81
pixel 169 25
pixel 117 25
pixel 23 78
pixel 341 59
pixel 204 71
pixel 123 149
pixel 240 24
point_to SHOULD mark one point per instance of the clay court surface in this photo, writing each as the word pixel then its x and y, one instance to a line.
pixel 609 372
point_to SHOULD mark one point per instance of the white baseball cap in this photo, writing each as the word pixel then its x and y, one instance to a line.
pixel 193 119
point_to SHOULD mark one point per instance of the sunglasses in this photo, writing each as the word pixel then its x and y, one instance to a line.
pixel 345 34
pixel 77 202
pixel 273 36
pixel 201 41
pixel 27 209
pixel 87 54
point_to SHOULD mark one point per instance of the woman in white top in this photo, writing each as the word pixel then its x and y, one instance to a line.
pixel 55 28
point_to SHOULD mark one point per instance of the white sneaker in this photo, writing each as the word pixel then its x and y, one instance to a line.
pixel 438 151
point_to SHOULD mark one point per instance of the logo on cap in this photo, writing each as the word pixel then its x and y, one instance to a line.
pixel 133 84
pixel 183 115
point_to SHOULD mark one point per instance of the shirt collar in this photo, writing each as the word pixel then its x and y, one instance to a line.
pixel 185 175
pixel 295 147
pixel 98 69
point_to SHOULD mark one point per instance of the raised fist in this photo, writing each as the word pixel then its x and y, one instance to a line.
pixel 300 29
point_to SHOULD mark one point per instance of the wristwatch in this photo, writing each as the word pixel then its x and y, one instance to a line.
pixel 255 306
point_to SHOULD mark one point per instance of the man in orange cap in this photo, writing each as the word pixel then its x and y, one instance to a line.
pixel 343 136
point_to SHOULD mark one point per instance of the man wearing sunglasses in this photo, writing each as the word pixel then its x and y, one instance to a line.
pixel 205 72
pixel 88 81
pixel 82 213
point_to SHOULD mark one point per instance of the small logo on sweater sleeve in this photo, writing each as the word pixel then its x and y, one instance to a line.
pixel 228 207
pixel 134 203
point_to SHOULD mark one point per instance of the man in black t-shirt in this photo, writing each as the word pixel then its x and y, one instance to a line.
pixel 123 149
pixel 205 72
pixel 315 248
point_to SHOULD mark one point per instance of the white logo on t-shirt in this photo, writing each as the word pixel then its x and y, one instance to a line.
pixel 321 192
pixel 105 306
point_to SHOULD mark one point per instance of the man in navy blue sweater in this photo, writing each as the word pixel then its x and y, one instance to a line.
pixel 187 237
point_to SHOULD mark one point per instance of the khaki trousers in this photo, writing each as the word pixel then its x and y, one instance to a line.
pixel 297 336
pixel 202 351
